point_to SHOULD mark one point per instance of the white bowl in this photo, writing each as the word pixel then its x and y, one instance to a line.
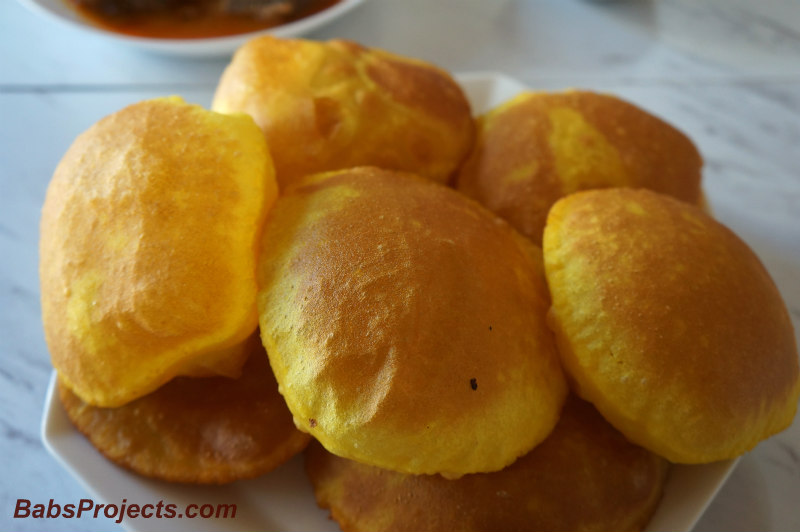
pixel 213 46
pixel 283 499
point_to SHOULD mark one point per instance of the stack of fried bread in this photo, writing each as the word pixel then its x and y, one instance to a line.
pixel 510 322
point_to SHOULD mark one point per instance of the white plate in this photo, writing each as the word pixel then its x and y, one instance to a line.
pixel 215 46
pixel 283 499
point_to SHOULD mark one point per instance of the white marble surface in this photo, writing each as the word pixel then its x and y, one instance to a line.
pixel 727 72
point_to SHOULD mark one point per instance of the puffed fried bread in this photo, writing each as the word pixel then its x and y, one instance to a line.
pixel 540 146
pixel 201 430
pixel 406 324
pixel 148 246
pixel 337 104
pixel 584 476
pixel 669 324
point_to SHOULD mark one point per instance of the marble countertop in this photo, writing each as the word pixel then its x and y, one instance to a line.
pixel 726 72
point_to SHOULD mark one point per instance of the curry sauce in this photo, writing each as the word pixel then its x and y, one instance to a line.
pixel 193 19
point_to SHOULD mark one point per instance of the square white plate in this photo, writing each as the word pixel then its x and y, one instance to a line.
pixel 283 499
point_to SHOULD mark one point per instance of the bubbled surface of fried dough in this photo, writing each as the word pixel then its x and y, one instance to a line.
pixel 584 477
pixel 148 245
pixel 669 324
pixel 333 105
pixel 539 147
pixel 207 430
pixel 406 324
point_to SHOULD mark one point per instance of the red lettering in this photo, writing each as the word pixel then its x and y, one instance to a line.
pixel 24 508
pixel 23 505
pixel 170 510
pixel 111 509
pixel 52 506
pixel 84 506
pixel 223 508
pixel 121 511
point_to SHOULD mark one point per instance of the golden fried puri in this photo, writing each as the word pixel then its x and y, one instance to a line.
pixel 406 324
pixel 584 476
pixel 197 429
pixel 669 324
pixel 539 147
pixel 334 105
pixel 148 245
